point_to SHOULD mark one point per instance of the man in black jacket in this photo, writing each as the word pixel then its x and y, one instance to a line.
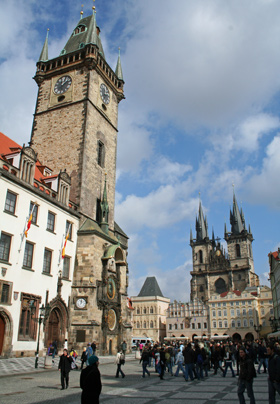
pixel 64 366
pixel 247 373
pixel 273 373
pixel 90 382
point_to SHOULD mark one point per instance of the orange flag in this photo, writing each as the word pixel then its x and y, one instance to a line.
pixel 65 242
pixel 29 222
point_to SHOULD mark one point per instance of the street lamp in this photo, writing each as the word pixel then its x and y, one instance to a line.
pixel 258 328
pixel 275 323
pixel 43 315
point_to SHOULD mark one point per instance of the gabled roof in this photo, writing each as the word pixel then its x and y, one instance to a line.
pixel 275 254
pixel 119 230
pixel 7 145
pixel 150 288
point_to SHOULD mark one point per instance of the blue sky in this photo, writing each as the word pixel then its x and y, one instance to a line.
pixel 201 112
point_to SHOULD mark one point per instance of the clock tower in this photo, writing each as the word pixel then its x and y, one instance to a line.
pixel 75 127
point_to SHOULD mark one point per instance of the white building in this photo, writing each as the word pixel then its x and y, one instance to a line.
pixel 32 269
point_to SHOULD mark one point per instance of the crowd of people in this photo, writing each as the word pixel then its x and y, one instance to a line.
pixel 192 360
pixel 196 360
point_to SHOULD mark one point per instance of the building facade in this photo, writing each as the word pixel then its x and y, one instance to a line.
pixel 32 267
pixel 274 266
pixel 216 270
pixel 75 128
pixel 241 315
pixel 187 320
pixel 149 315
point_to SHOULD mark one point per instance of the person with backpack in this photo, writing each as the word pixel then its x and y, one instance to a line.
pixel 120 360
pixel 247 372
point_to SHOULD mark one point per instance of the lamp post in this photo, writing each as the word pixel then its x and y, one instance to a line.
pixel 43 315
pixel 274 323
pixel 258 328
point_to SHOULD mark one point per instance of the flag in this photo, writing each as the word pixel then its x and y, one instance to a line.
pixel 29 221
pixel 65 242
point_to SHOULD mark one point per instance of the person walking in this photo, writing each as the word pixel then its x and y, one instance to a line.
pixel 179 362
pixel 124 347
pixel 145 361
pixel 247 372
pixel 262 356
pixel 119 362
pixel 162 363
pixel 89 352
pixel 90 382
pixel 189 357
pixel 83 357
pixel 273 373
pixel 64 366
pixel 228 360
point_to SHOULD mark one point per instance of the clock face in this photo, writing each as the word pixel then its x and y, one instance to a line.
pixel 111 288
pixel 81 303
pixel 62 85
pixel 112 319
pixel 104 93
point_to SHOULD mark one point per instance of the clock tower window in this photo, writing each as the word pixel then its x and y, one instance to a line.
pixel 101 154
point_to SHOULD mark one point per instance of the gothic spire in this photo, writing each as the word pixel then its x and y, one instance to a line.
pixel 237 224
pixel 44 56
pixel 201 225
pixel 213 238
pixel 104 209
pixel 92 29
pixel 118 70
pixel 191 236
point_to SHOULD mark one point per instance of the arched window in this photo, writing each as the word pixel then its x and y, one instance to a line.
pixel 138 324
pixel 151 324
pixel 201 288
pixel 144 310
pixel 138 310
pixel 145 325
pixel 200 256
pixel 79 29
pixel 151 310
pixel 220 286
pixel 238 254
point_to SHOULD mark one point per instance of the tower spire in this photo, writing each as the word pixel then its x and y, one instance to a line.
pixel 44 56
pixel 201 225
pixel 237 224
pixel 104 209
pixel 118 70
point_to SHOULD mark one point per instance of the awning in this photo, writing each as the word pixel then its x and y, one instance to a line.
pixel 220 336
pixel 274 334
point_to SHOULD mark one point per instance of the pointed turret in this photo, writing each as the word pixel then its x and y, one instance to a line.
pixel 236 222
pixel 191 236
pixel 249 229
pixel 104 210
pixel 44 56
pixel 118 70
pixel 226 232
pixel 213 238
pixel 92 30
pixel 201 225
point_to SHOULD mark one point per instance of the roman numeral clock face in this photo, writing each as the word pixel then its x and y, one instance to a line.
pixel 104 93
pixel 62 85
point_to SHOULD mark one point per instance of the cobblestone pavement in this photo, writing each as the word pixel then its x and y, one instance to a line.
pixel 43 387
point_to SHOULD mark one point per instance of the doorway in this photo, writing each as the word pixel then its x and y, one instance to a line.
pixel 2 333
pixel 54 328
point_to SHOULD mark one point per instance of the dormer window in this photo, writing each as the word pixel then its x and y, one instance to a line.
pixel 79 29
pixel 81 45
pixel 63 52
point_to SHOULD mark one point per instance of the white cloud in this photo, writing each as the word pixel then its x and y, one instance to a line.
pixel 164 171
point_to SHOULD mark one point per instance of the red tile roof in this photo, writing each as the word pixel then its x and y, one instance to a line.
pixel 275 255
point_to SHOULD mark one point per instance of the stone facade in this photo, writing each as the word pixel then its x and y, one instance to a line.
pixel 274 264
pixel 75 126
pixel 187 320
pixel 149 317
pixel 241 315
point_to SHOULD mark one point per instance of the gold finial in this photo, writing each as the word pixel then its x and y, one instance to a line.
pixel 82 11
pixel 93 7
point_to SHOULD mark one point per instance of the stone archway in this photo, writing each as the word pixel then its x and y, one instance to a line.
pixel 249 336
pixel 6 332
pixel 236 337
pixel 57 323
pixel 220 286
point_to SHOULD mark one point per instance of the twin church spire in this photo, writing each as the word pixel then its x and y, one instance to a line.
pixel 237 221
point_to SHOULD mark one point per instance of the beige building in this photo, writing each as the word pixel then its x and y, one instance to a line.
pixel 274 264
pixel 241 315
pixel 150 308
pixel 188 320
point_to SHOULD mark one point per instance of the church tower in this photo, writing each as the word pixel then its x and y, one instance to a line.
pixel 75 127
pixel 239 245
pixel 216 270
